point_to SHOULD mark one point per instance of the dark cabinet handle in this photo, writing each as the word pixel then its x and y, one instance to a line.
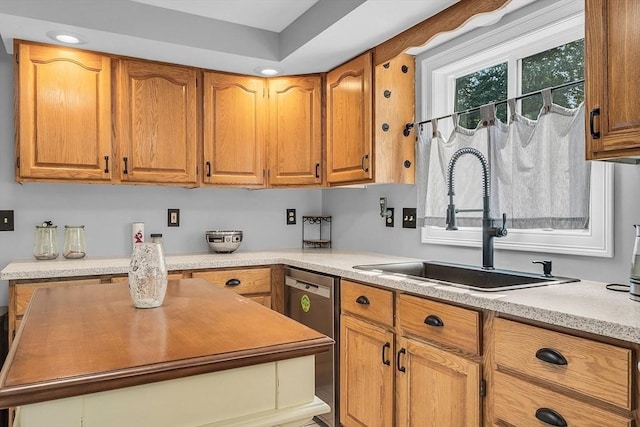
pixel 595 112
pixel 232 282
pixel 317 170
pixel 106 164
pixel 363 300
pixel 208 164
pixel 398 365
pixel 552 356
pixel 126 165
pixel 385 361
pixel 550 417
pixel 433 320
pixel 364 159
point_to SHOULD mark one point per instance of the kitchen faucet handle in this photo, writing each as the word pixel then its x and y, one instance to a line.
pixel 502 231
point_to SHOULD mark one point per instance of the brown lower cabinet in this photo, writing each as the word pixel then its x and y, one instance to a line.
pixel 413 361
pixel 395 374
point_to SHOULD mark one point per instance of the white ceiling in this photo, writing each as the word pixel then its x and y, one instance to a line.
pixel 295 36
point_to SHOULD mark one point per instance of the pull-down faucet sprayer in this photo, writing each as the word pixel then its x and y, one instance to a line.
pixel 489 231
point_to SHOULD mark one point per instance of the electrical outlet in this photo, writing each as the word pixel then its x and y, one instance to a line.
pixel 291 216
pixel 173 218
pixel 389 219
pixel 408 217
pixel 6 220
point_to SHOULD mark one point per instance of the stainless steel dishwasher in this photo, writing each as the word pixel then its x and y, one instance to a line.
pixel 313 300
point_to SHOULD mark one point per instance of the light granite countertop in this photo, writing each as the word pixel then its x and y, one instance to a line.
pixel 585 306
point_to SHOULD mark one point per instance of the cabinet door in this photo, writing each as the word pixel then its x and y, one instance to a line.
pixel 436 388
pixel 157 123
pixel 234 129
pixel 295 133
pixel 612 78
pixel 366 374
pixel 349 118
pixel 63 114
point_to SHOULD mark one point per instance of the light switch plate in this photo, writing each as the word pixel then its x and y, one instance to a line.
pixel 6 220
pixel 173 218
pixel 408 217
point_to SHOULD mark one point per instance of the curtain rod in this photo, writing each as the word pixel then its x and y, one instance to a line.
pixel 472 110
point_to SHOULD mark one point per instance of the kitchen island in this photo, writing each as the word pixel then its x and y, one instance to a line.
pixel 84 356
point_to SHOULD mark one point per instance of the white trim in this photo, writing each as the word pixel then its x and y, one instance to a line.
pixel 597 241
pixel 562 22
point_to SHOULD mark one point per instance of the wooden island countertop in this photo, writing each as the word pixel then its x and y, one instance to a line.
pixel 85 339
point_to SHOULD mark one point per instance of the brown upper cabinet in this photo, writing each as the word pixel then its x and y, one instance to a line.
pixel 157 123
pixel 63 114
pixel 235 129
pixel 295 131
pixel 360 98
pixel 612 73
pixel 262 132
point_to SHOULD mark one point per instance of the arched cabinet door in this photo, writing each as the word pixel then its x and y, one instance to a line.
pixel 234 130
pixel 295 131
pixel 157 122
pixel 349 119
pixel 63 114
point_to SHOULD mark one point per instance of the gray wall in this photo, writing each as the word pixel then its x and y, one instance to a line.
pixel 108 210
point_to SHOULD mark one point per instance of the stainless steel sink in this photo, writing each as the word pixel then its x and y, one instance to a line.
pixel 466 276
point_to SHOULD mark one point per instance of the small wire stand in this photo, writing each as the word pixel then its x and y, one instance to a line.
pixel 322 231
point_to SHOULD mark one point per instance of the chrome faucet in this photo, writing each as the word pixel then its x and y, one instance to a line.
pixel 489 231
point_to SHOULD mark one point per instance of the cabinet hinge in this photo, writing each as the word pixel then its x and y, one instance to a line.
pixel 17 58
pixel 483 388
pixel 18 162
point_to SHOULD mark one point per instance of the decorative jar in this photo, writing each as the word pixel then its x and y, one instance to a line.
pixel 75 245
pixel 46 242
pixel 147 275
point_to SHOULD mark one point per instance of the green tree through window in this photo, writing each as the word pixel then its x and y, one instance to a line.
pixel 553 67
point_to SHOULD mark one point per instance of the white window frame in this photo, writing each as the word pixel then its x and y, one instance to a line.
pixel 507 43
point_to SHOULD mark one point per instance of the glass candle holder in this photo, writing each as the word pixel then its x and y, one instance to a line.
pixel 147 275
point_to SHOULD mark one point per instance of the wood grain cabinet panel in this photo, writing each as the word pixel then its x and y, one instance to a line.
pixel 295 131
pixel 235 129
pixel 366 374
pixel 254 283
pixel 441 323
pixel 157 121
pixel 63 114
pixel 612 73
pixel 349 121
pixel 367 302
pixel 436 388
pixel 600 370
pixel 519 403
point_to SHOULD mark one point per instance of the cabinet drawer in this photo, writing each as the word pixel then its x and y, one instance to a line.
pixel 441 323
pixel 25 292
pixel 517 402
pixel 368 302
pixel 593 368
pixel 242 281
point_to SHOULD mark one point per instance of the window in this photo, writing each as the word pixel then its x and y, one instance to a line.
pixel 520 55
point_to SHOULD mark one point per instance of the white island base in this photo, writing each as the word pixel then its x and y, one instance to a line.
pixel 270 394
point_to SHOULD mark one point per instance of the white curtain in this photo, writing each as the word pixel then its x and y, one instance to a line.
pixel 538 172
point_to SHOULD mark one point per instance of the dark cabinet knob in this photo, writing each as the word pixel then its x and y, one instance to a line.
pixel 233 282
pixel 592 114
pixel 552 356
pixel 363 300
pixel 385 127
pixel 550 417
pixel 385 360
pixel 106 164
pixel 398 363
pixel 126 165
pixel 405 69
pixel 387 94
pixel 208 164
pixel 433 320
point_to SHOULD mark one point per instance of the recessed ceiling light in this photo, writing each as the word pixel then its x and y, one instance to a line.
pixel 66 37
pixel 268 71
